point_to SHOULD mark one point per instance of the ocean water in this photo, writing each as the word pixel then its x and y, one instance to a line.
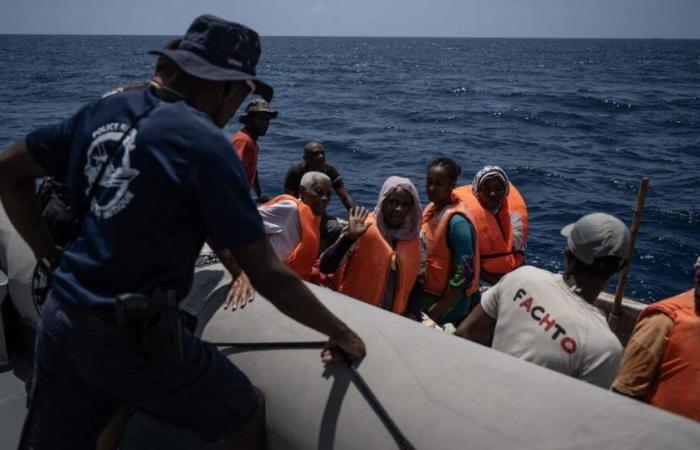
pixel 575 123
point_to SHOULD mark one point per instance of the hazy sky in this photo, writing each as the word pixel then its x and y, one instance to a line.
pixel 469 18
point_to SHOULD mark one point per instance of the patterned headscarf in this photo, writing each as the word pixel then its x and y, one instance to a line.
pixel 487 173
pixel 412 223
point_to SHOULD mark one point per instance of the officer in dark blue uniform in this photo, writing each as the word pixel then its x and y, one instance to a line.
pixel 153 176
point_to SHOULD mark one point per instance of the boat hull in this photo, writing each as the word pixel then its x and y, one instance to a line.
pixel 442 391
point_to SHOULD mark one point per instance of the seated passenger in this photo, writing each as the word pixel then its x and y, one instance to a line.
pixel 500 216
pixel 293 224
pixel 293 230
pixel 549 319
pixel 314 159
pixel 661 365
pixel 377 258
pixel 451 279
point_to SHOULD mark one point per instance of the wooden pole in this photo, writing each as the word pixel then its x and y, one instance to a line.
pixel 620 292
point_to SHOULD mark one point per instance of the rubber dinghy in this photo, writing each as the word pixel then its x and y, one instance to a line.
pixel 442 392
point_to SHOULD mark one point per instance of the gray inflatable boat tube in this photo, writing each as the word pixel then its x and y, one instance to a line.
pixel 442 391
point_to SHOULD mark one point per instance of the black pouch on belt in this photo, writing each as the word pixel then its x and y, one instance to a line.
pixel 158 321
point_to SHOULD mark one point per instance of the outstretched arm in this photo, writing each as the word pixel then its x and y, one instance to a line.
pixel 258 191
pixel 344 197
pixel 241 291
pixel 477 326
pixel 290 295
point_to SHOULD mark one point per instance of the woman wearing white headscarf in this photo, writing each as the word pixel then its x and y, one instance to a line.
pixel 378 256
pixel 500 218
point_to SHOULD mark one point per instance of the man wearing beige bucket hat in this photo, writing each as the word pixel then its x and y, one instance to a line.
pixel 256 120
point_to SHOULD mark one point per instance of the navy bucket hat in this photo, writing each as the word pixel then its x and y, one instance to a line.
pixel 218 50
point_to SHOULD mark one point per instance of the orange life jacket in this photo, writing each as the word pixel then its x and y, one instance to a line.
pixel 501 248
pixel 677 384
pixel 366 271
pixel 438 262
pixel 302 258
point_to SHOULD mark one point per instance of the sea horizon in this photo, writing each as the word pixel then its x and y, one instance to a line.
pixel 572 38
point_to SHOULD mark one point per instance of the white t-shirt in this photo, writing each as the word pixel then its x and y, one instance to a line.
pixel 281 221
pixel 539 319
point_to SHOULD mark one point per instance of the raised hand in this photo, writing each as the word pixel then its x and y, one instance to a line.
pixel 357 222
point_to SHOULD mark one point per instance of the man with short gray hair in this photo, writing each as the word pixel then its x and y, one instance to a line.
pixel 291 223
pixel 314 160
pixel 549 319
pixel 293 229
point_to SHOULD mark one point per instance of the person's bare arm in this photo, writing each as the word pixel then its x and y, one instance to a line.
pixel 477 326
pixel 289 187
pixel 241 291
pixel 643 355
pixel 449 298
pixel 489 277
pixel 18 172
pixel 258 191
pixel 288 293
pixel 344 197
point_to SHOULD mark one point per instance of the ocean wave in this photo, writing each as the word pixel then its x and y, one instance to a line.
pixel 575 123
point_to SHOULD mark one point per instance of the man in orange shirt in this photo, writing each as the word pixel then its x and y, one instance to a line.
pixel 256 119
pixel 661 365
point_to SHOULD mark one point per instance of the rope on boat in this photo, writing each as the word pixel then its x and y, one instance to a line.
pixel 396 433
pixel 401 440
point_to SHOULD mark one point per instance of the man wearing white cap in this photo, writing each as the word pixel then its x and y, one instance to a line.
pixel 661 365
pixel 549 319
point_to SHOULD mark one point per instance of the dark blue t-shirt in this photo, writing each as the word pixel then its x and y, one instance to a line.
pixel 173 182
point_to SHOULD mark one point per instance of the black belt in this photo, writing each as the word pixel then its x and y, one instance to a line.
pixel 102 312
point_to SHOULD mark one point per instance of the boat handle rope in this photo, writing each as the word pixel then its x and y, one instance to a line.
pixel 396 433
